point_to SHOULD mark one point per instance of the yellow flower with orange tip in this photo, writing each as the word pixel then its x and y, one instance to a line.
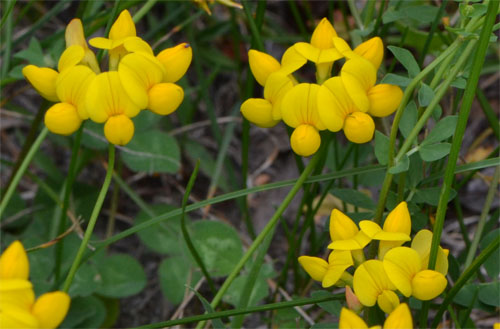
pixel 18 307
pixel 372 50
pixel 396 229
pixel 299 110
pixel 74 36
pixel 400 318
pixel 107 101
pixel 328 273
pixel 121 29
pixel 372 286
pixel 404 268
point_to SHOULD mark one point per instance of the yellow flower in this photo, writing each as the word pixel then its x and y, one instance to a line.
pixel 18 307
pixel 121 30
pixel 328 273
pixel 395 232
pixel 400 318
pixel 262 65
pixel 372 50
pixel 299 110
pixel 422 244
pixel 350 320
pixel 107 101
pixel 74 36
pixel 371 285
pixel 404 268
pixel 176 61
pixel 345 234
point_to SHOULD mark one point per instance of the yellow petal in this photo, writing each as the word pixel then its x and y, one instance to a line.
pixel 138 73
pixel 14 262
pixel 70 57
pixel 136 44
pixel 372 50
pixel 359 241
pixel 387 301
pixel 341 226
pixel 386 245
pixel 370 228
pixel 401 264
pixel 359 127
pixel 422 244
pixel 343 47
pixel 358 76
pixel 259 112
pixel 323 34
pixel 350 320
pixel 102 43
pixel 314 266
pixel 106 97
pixel 74 36
pixel 262 65
pixel 317 55
pixel 300 106
pixel 334 104
pixel 62 119
pixel 123 27
pixel 72 85
pixel 384 99
pixel 338 262
pixel 400 318
pixel 291 61
pixel 277 86
pixel 176 61
pixel 119 129
pixel 13 316
pixel 370 280
pixel 305 140
pixel 165 98
pixel 51 308
pixel 428 284
pixel 43 79
pixel 18 292
pixel 398 220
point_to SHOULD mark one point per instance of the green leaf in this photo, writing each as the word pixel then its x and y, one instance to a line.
pixel 93 136
pixel 217 322
pixel 33 54
pixel 489 293
pixel 436 114
pixel 406 59
pixel 354 197
pixel 164 237
pixel 381 147
pixel 400 166
pixel 174 275
pixel 408 119
pixel 333 307
pixel 85 312
pixel 459 83
pixel 259 291
pixel 397 80
pixel 415 172
pixel 492 264
pixel 421 13
pixel 431 195
pixel 425 95
pixel 121 276
pixel 434 152
pixel 443 129
pixel 152 151
pixel 218 244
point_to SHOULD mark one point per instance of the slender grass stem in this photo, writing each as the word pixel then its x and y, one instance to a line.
pixel 368 11
pixel 22 168
pixel 93 219
pixel 7 40
pixel 355 14
pixel 434 25
pixel 144 10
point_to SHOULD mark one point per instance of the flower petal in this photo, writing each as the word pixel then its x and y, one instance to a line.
pixel 62 119
pixel 314 266
pixel 291 61
pixel 317 55
pixel 300 106
pixel 372 50
pixel 358 76
pixel 13 316
pixel 338 262
pixel 400 318
pixel 422 244
pixel 51 308
pixel 176 61
pixel 387 301
pixel 334 104
pixel 165 98
pixel 323 34
pixel 14 262
pixel 277 86
pixel 341 226
pixel 102 43
pixel 43 79
pixel 368 282
pixel 72 85
pixel 262 65
pixel 119 129
pixel 74 36
pixel 350 320
pixel 428 284
pixel 123 27
pixel 384 99
pixel 401 264
pixel 305 140
pixel 70 57
pixel 259 112
pixel 398 220
pixel 18 292
pixel 359 127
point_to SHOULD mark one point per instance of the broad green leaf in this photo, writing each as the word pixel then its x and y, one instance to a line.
pixel 85 312
pixel 87 280
pixel 489 293
pixel 146 121
pixel 152 151
pixel 408 119
pixel 406 59
pixel 381 147
pixel 433 152
pixel 431 195
pixel 354 197
pixel 174 274
pixel 333 307
pixel 425 95
pixel 164 237
pixel 218 245
pixel 492 264
pixel 122 276
pixel 443 129
pixel 400 166
pixel 395 79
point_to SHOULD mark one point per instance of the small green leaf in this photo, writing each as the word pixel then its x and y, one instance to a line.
pixel 408 119
pixel 381 147
pixel 152 151
pixel 394 79
pixel 354 197
pixel 174 275
pixel 406 59
pixel 434 152
pixel 400 166
pixel 421 13
pixel 425 95
pixel 443 129
pixel 333 307
pixel 85 312
pixel 121 276
pixel 492 264
pixel 415 172
pixel 431 195
pixel 459 83
pixel 259 291
pixel 489 293
pixel 33 54
pixel 436 114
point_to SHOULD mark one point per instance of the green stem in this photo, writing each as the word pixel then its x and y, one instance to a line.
pixel 488 112
pixel 355 14
pixel 22 168
pixel 369 9
pixel 268 228
pixel 93 219
pixel 7 40
pixel 432 31
pixel 144 10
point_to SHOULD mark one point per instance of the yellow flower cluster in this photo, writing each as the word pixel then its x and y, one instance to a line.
pixel 345 102
pixel 136 80
pixel 18 307
pixel 398 268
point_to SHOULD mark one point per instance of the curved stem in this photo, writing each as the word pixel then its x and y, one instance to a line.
pixel 93 219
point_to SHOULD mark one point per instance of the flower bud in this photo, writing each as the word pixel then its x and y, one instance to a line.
pixel 359 127
pixel 119 129
pixel 262 65
pixel 305 140
pixel 176 61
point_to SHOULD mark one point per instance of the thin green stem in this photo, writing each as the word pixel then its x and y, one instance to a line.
pixel 7 40
pixel 254 29
pixel 93 219
pixel 434 25
pixel 22 168
pixel 144 10
pixel 368 11
pixel 355 14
